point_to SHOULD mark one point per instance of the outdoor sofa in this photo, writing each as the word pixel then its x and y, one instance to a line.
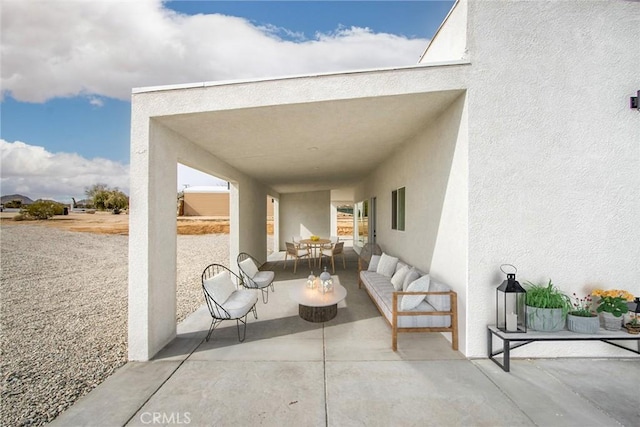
pixel 409 299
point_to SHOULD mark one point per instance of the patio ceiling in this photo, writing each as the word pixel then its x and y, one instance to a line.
pixel 312 146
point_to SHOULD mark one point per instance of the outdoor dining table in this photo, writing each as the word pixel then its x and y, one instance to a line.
pixel 316 248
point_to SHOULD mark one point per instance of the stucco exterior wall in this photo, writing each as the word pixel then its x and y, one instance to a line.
pixel 554 154
pixel 212 204
pixel 206 204
pixel 155 151
pixel 304 214
pixel 434 185
pixel 449 262
pixel 450 41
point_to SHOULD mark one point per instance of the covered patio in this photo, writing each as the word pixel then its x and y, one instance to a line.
pixel 343 372
pixel 308 143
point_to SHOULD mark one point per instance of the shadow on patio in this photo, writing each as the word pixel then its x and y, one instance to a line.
pixel 343 372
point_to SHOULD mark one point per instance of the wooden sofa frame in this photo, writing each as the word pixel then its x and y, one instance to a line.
pixel 393 323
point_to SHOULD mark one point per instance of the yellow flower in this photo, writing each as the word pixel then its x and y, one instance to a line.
pixel 613 293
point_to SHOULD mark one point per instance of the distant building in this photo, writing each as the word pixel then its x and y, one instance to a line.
pixel 210 201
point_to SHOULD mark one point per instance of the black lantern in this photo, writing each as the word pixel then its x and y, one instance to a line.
pixel 511 310
pixel 637 309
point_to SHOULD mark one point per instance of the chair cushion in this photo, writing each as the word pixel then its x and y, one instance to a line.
pixel 411 276
pixel 248 267
pixel 373 263
pixel 239 303
pixel 410 302
pixel 387 265
pixel 263 279
pixel 302 252
pixel 220 287
pixel 398 278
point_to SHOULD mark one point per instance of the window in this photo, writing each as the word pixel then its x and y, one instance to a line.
pixel 397 209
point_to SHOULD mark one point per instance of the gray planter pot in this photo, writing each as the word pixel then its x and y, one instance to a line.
pixel 545 319
pixel 583 325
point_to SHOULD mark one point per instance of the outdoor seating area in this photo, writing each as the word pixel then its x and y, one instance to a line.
pixel 344 372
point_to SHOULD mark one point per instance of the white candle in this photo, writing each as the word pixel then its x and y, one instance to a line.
pixel 512 322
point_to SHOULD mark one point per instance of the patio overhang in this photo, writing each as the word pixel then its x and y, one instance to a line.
pixel 311 133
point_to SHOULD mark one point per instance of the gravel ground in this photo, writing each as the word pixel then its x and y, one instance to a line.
pixel 63 316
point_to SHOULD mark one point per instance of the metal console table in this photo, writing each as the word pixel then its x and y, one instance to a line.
pixel 519 339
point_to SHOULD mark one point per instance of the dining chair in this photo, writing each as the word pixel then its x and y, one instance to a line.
pixel 337 249
pixel 296 253
pixel 296 241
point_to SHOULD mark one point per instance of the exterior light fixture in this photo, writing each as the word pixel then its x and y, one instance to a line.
pixel 634 101
pixel 511 311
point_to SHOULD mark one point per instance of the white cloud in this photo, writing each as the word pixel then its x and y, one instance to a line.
pixel 188 177
pixel 96 102
pixel 86 47
pixel 36 173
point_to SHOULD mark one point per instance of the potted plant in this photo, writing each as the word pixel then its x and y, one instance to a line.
pixel 612 305
pixel 633 326
pixel 547 307
pixel 580 318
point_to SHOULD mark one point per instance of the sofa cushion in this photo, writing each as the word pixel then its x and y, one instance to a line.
pixel 439 302
pixel 410 302
pixel 373 263
pixel 387 265
pixel 412 275
pixel 423 321
pixel 398 277
pixel 399 266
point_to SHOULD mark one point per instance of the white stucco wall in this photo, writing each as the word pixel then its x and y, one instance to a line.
pixel 432 167
pixel 155 151
pixel 304 214
pixel 450 41
pixel 554 153
pixel 449 263
pixel 152 272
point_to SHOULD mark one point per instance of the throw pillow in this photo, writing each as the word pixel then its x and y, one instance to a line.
pixel 409 302
pixel 387 265
pixel 249 267
pixel 398 278
pixel 439 302
pixel 373 264
pixel 412 275
pixel 220 287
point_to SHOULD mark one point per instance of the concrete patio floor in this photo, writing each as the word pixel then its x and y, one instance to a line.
pixel 290 372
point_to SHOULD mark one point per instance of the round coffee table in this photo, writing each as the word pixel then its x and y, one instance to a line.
pixel 314 306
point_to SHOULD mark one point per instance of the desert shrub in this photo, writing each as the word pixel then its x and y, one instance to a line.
pixel 19 217
pixel 105 198
pixel 14 204
pixel 42 209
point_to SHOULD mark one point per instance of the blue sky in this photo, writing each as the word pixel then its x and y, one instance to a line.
pixel 65 110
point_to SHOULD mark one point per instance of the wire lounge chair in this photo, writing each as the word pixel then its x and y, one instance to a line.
pixel 226 298
pixel 252 278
